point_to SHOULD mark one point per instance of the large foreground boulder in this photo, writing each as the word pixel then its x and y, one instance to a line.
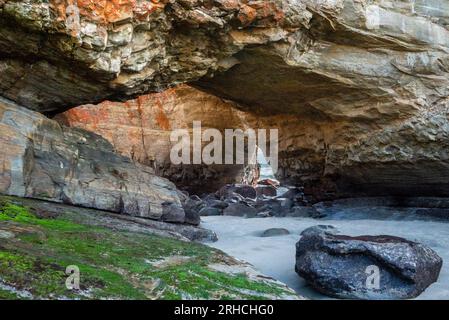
pixel 41 159
pixel 365 267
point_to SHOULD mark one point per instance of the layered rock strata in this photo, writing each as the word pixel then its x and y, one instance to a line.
pixel 43 160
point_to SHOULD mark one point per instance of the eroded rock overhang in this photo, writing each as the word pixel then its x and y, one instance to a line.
pixel 358 88
pixel 62 53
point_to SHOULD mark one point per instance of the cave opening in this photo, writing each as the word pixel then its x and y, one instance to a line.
pixel 266 171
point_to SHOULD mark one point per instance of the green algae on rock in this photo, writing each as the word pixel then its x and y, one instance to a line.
pixel 114 263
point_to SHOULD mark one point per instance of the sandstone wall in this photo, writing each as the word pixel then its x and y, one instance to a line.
pixel 140 129
pixel 40 159
pixel 73 52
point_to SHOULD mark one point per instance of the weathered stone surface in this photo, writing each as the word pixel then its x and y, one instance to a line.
pixel 274 232
pixel 244 190
pixel 360 96
pixel 210 211
pixel 43 160
pixel 340 266
pixel 73 52
pixel 240 210
pixel 172 213
pixel 192 217
pixel 268 191
pixel 358 89
pixel 140 129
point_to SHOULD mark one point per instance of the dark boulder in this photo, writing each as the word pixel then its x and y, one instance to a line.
pixel 240 210
pixel 275 232
pixel 209 197
pixel 286 204
pixel 292 193
pixel 304 212
pixel 268 191
pixel 268 203
pixel 210 211
pixel 295 194
pixel 218 204
pixel 268 182
pixel 233 198
pixel 192 217
pixel 193 204
pixel 365 267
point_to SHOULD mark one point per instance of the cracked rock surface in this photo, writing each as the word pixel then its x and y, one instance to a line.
pixel 75 52
pixel 43 160
pixel 341 266
pixel 358 89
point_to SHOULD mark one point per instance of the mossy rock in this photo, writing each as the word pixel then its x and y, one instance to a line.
pixel 114 264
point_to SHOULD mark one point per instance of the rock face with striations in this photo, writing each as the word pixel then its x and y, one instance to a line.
pixel 344 267
pixel 140 129
pixel 41 159
pixel 73 52
pixel 365 84
pixel 359 89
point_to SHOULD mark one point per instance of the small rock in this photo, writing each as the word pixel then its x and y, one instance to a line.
pixel 340 266
pixel 218 204
pixel 210 211
pixel 273 205
pixel 245 191
pixel 195 199
pixel 304 212
pixel 183 196
pixel 275 232
pixel 209 197
pixel 264 214
pixel 268 182
pixel 192 217
pixel 172 213
pixel 233 198
pixel 193 206
pixel 268 191
pixel 240 210
pixel 292 193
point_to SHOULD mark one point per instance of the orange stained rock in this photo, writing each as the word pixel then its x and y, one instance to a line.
pixel 107 11
pixel 161 118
